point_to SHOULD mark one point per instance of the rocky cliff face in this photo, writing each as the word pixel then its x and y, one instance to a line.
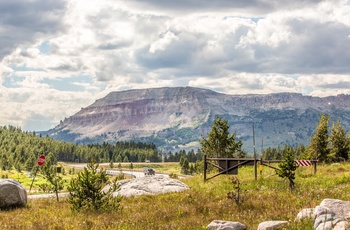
pixel 175 118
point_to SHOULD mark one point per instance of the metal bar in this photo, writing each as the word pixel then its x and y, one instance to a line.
pixel 236 159
pixel 33 178
pixel 224 170
pixel 270 166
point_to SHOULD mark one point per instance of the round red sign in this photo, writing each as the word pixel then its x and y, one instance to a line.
pixel 41 160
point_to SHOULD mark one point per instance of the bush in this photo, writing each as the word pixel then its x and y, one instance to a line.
pixel 287 168
pixel 56 183
pixel 87 190
pixel 173 176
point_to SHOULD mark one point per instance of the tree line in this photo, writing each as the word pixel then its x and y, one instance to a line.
pixel 21 150
pixel 330 143
pixel 191 156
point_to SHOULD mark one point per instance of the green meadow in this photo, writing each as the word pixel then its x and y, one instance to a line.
pixel 267 198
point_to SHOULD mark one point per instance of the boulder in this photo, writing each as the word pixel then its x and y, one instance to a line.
pixel 339 207
pixel 272 225
pixel 12 194
pixel 149 185
pixel 332 214
pixel 306 213
pixel 225 225
pixel 341 225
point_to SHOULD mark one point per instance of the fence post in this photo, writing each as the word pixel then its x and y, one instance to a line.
pixel 205 168
pixel 315 163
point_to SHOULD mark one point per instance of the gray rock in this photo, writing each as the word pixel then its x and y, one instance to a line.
pixel 149 186
pixel 272 225
pixel 320 210
pixel 12 194
pixel 332 214
pixel 326 220
pixel 225 225
pixel 342 225
pixel 306 213
pixel 332 225
pixel 339 207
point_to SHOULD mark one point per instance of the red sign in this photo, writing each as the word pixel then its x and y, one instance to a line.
pixel 41 160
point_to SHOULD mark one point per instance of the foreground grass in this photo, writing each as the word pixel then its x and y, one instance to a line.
pixel 267 198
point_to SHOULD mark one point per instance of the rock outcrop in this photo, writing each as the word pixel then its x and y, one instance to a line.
pixel 331 214
pixel 149 185
pixel 180 115
pixel 12 194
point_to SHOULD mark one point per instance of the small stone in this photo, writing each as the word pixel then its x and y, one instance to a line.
pixel 272 225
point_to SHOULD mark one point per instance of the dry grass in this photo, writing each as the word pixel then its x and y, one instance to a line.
pixel 268 198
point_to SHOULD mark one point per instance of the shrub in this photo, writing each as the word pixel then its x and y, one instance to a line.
pixel 87 190
pixel 173 176
pixel 55 181
pixel 287 168
pixel 235 195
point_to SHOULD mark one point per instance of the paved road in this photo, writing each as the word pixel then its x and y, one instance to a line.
pixel 50 195
pixel 135 174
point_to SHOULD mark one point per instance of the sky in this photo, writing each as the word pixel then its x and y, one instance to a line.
pixel 57 56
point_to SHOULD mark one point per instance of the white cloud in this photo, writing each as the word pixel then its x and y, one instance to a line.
pixel 163 42
pixel 94 47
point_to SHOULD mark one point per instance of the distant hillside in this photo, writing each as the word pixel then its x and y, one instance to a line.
pixel 175 118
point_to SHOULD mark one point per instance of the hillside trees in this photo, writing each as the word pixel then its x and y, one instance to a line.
pixel 20 150
pixel 327 145
pixel 220 143
pixel 330 146
pixel 191 156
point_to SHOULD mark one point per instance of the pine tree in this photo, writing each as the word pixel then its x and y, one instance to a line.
pixel 126 159
pixel 185 166
pixel 55 181
pixel 87 190
pixel 219 142
pixel 318 148
pixel 338 143
pixel 287 168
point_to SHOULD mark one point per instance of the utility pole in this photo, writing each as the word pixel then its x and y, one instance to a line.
pixel 255 162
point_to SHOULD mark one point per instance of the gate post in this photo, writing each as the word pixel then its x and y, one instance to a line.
pixel 205 168
pixel 315 163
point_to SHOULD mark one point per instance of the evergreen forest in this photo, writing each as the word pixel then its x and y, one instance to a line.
pixel 20 150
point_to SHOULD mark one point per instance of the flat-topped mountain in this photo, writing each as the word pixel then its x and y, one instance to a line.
pixel 176 117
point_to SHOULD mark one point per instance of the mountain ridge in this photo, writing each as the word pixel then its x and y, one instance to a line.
pixel 176 117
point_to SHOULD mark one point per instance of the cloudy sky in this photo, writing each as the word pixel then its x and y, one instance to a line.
pixel 57 56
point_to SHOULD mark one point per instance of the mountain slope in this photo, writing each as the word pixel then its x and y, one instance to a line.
pixel 176 117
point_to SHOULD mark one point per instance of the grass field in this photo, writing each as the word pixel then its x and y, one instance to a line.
pixel 267 198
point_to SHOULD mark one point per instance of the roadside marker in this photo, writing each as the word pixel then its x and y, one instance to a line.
pixel 303 162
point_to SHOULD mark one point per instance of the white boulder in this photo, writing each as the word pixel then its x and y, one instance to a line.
pixel 150 185
pixel 225 225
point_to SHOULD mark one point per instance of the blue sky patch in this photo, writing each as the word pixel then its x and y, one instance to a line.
pixel 44 47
